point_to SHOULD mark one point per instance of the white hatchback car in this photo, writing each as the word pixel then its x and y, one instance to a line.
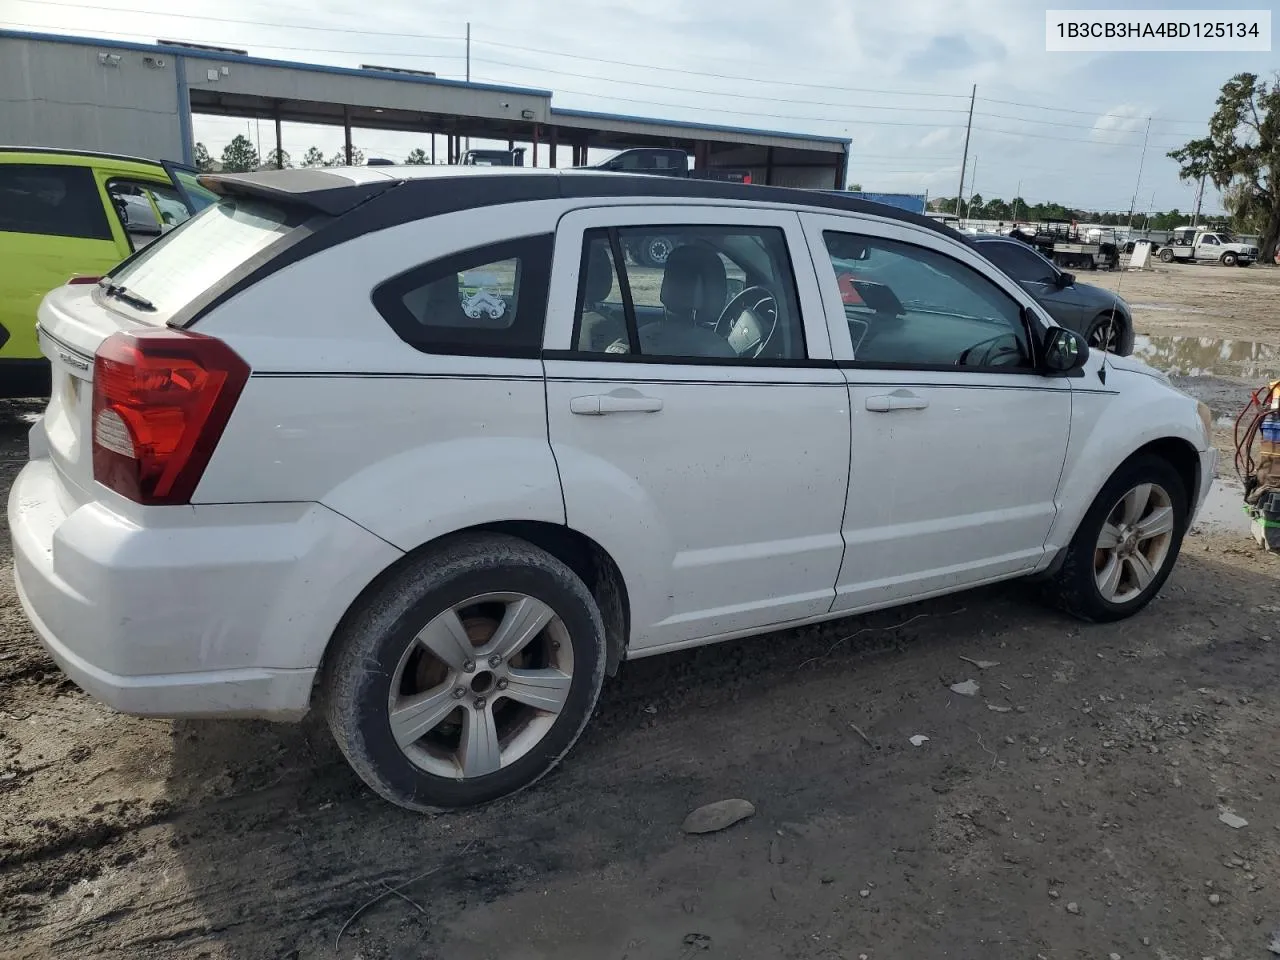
pixel 283 467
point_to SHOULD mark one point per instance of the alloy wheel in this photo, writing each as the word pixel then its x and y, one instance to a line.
pixel 480 685
pixel 1134 543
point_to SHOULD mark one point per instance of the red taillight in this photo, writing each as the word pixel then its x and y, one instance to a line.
pixel 746 178
pixel 79 279
pixel 160 402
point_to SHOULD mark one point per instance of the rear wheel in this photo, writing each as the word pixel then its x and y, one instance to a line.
pixel 1166 255
pixel 1125 547
pixel 467 675
pixel 1229 259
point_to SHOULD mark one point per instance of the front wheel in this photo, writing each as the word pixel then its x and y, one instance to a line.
pixel 1229 259
pixel 1125 547
pixel 1107 332
pixel 466 675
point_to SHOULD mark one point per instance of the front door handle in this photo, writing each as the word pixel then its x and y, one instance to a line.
pixel 898 400
pixel 600 404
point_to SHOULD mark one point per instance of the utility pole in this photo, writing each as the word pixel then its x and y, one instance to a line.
pixel 468 66
pixel 1146 224
pixel 1017 195
pixel 964 161
pixel 1141 162
pixel 1195 220
pixel 973 179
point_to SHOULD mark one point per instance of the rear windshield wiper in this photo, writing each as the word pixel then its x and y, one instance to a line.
pixel 124 295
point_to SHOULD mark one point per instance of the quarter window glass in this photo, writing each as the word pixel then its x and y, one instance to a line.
pixel 1018 262
pixel 490 300
pixel 693 292
pixel 54 200
pixel 909 306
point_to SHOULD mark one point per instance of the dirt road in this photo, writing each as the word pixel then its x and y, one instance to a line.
pixel 1070 810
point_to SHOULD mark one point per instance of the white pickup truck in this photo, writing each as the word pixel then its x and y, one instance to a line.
pixel 1192 245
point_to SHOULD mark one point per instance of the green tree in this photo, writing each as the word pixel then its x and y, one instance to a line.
pixel 239 155
pixel 284 158
pixel 995 209
pixel 1241 156
pixel 855 187
pixel 313 157
pixel 417 156
pixel 339 158
pixel 973 207
pixel 203 161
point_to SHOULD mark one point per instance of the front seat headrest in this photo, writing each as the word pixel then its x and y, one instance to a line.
pixel 694 284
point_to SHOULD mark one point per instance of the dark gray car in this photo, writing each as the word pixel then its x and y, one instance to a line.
pixel 1099 315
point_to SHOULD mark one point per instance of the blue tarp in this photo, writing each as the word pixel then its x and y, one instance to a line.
pixel 914 202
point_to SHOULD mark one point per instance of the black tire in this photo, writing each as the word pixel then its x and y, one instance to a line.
pixel 368 645
pixel 655 250
pixel 1119 333
pixel 1074 588
pixel 1229 259
pixel 1166 256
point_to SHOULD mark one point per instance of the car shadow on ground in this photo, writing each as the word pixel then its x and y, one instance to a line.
pixel 287 854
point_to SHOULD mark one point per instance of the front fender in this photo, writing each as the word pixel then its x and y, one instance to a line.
pixel 1107 428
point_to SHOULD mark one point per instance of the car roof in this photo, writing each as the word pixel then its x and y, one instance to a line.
pixel 82 154
pixel 428 190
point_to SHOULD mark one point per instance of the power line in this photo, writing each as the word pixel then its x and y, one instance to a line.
pixel 562 53
pixel 1087 113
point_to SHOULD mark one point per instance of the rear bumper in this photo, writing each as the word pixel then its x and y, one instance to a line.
pixel 214 610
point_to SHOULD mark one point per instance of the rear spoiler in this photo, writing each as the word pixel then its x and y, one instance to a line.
pixel 318 190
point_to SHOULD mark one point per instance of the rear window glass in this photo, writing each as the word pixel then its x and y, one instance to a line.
pixel 50 199
pixel 187 261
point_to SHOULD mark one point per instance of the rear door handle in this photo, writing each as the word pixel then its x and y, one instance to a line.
pixel 898 400
pixel 600 404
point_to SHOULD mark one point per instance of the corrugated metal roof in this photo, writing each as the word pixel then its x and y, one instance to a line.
pixel 176 51
pixel 689 124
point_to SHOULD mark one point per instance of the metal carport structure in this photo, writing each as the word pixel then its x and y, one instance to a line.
pixel 135 98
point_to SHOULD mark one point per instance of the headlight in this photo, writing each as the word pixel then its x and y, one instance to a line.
pixel 1206 420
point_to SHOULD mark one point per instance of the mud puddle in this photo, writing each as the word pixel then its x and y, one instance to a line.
pixel 1223 510
pixel 1209 357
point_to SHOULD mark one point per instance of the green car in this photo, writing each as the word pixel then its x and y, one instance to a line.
pixel 65 213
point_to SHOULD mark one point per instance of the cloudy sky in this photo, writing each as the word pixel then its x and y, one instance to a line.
pixel 893 76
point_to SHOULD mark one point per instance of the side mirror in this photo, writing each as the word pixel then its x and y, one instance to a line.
pixel 1063 350
pixel 1065 280
pixel 736 286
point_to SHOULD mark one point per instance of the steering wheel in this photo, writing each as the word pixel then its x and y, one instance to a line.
pixel 762 306
pixel 1000 351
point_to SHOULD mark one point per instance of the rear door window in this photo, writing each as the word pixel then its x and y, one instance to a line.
pixel 53 200
pixel 179 266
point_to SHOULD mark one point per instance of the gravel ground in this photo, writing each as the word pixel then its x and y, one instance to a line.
pixel 1069 810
